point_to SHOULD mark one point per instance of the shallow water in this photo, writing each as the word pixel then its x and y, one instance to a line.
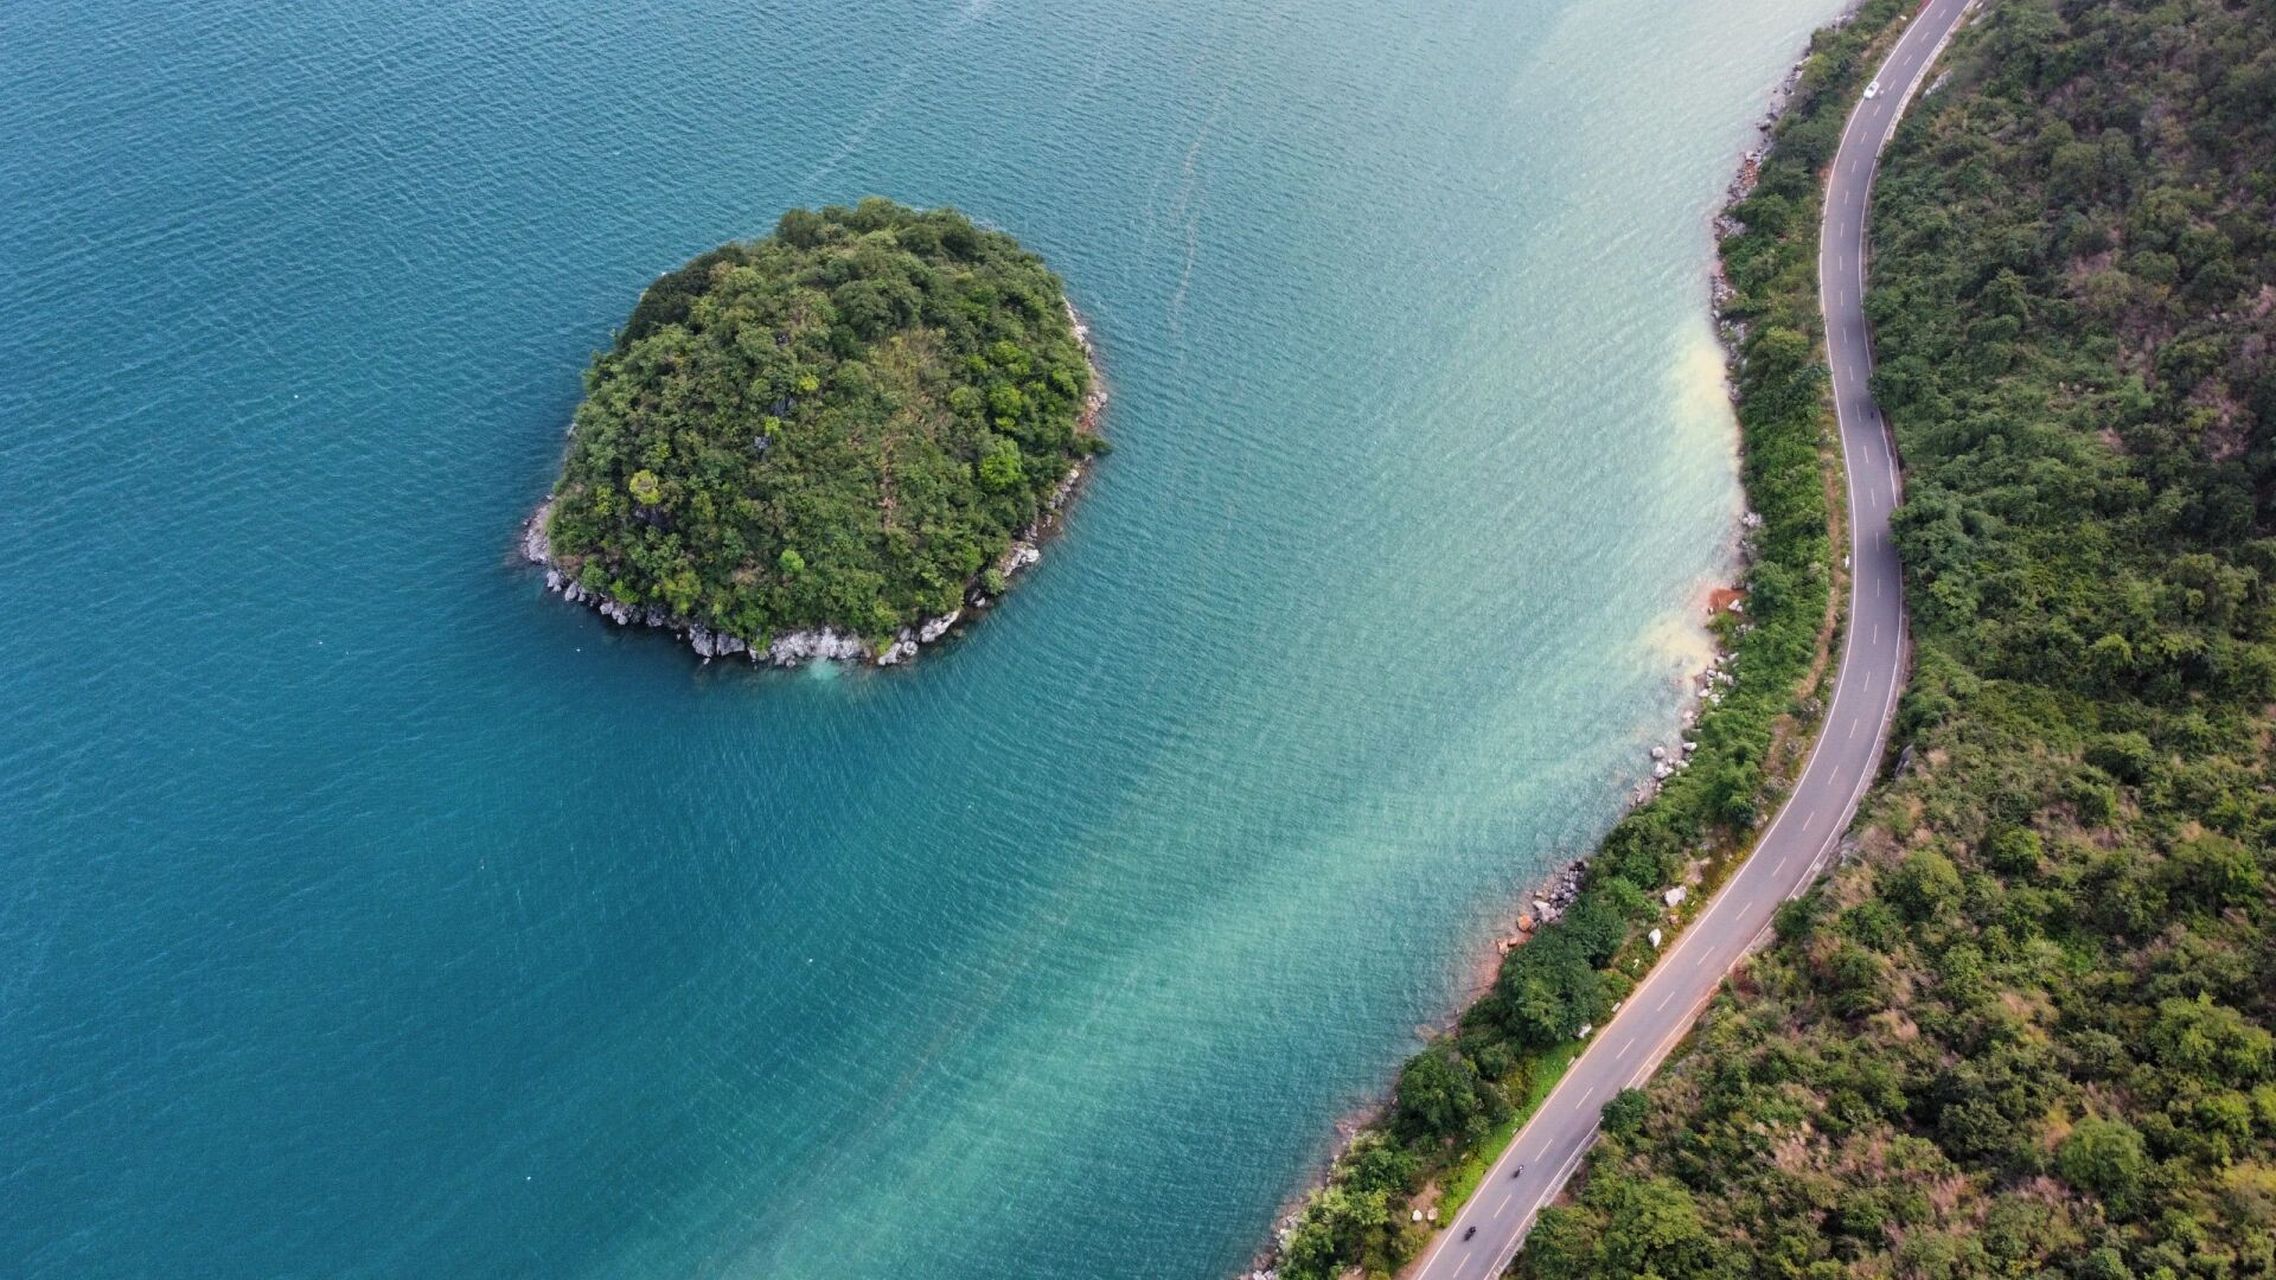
pixel 364 911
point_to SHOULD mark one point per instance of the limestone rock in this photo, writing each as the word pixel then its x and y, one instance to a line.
pixel 934 628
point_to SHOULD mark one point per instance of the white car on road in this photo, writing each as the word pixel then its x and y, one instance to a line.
pixel 1873 90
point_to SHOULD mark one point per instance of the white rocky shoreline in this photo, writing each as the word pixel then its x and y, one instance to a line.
pixel 828 644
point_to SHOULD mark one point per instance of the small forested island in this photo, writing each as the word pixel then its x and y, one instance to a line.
pixel 827 443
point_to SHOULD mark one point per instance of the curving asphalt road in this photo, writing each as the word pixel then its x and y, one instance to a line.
pixel 1841 766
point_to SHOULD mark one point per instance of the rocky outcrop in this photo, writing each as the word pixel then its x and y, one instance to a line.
pixel 535 547
pixel 825 645
pixel 934 628
pixel 1562 891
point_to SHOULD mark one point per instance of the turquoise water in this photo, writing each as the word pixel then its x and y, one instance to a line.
pixel 366 912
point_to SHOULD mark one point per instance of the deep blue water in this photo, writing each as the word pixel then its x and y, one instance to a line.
pixel 366 912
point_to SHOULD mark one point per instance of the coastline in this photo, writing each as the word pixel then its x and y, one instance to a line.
pixel 1724 606
pixel 827 643
pixel 1732 330
pixel 1543 903
pixel 1546 901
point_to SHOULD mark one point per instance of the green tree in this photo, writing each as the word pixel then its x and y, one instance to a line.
pixel 1000 469
pixel 1623 1115
pixel 1655 1230
pixel 1442 1096
pixel 1926 885
pixel 2105 1156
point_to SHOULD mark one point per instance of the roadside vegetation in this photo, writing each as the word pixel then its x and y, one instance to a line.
pixel 2025 1030
pixel 1452 1105
pixel 843 424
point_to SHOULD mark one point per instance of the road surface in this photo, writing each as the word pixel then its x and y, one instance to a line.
pixel 1841 766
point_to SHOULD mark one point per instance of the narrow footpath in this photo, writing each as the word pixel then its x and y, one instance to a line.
pixel 1485 1235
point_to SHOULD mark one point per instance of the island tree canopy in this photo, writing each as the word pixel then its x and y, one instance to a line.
pixel 843 424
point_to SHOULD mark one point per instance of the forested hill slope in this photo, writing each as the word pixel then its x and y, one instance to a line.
pixel 2026 1029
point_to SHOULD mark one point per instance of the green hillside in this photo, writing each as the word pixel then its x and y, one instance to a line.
pixel 2025 1031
